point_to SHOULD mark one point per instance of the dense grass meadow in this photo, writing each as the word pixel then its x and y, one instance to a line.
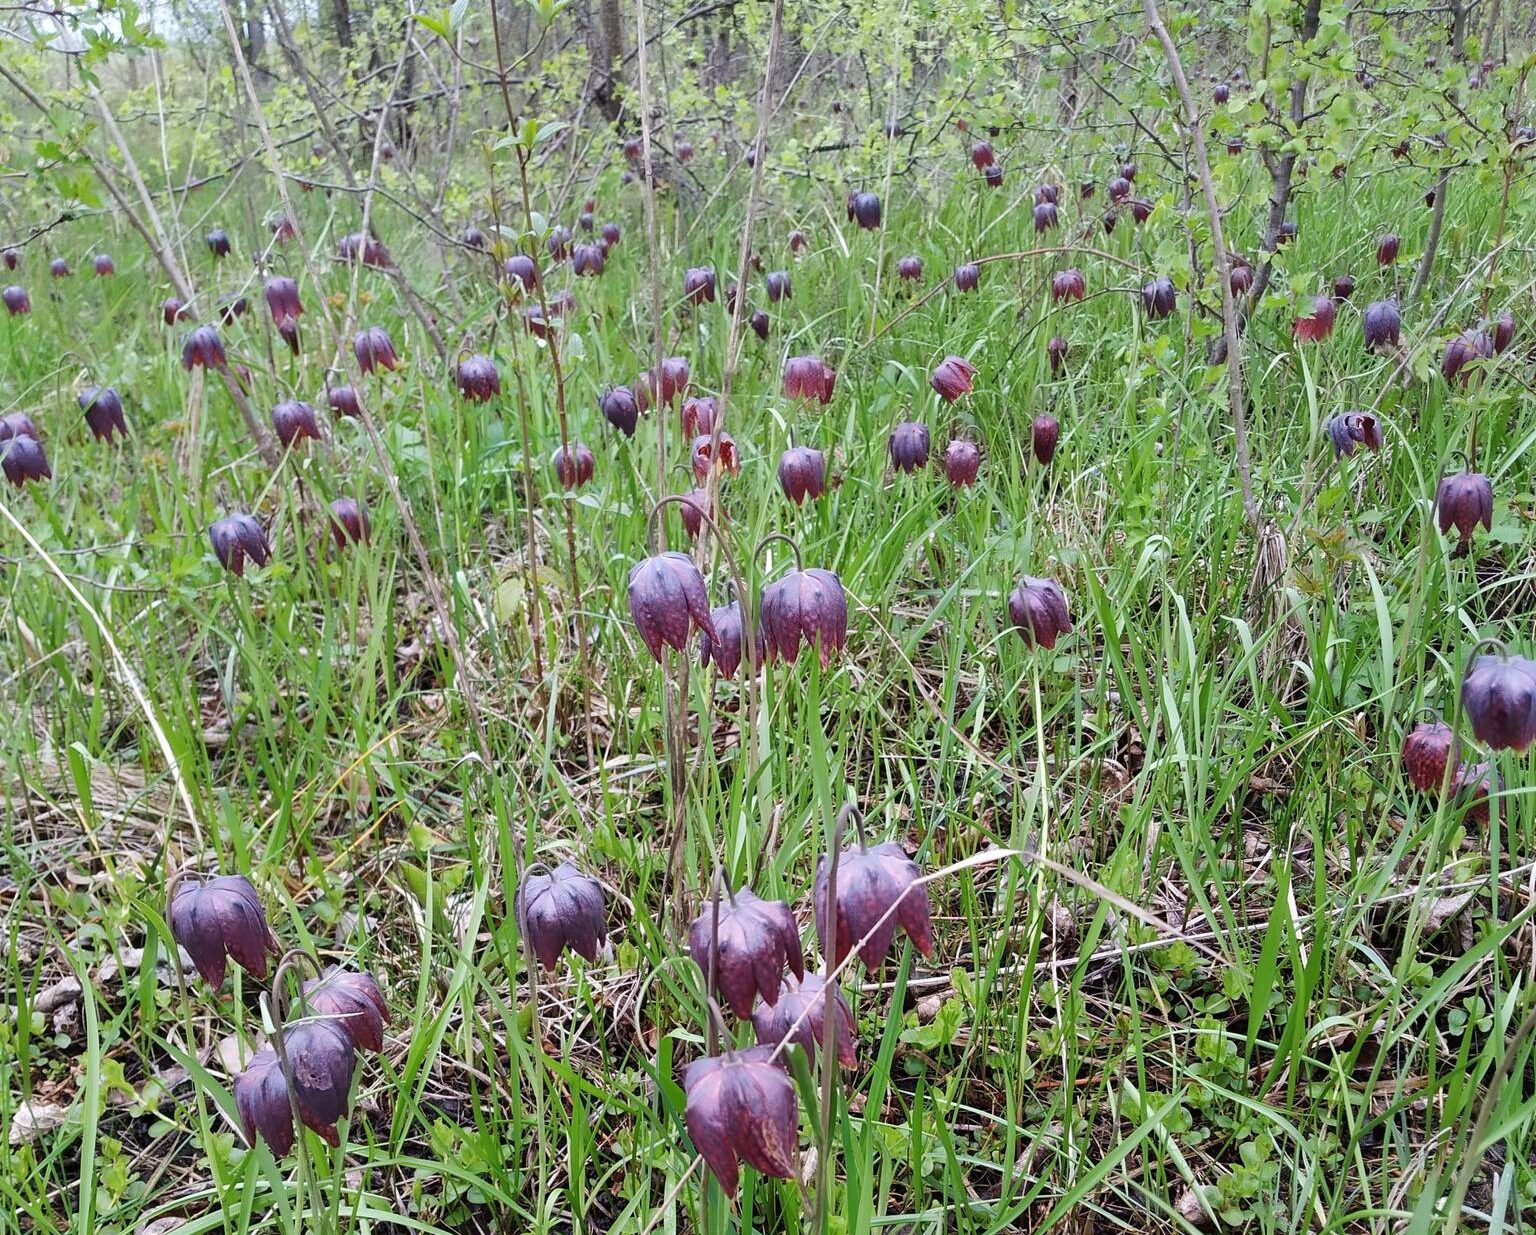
pixel 1231 874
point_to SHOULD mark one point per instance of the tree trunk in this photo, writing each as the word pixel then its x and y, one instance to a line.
pixel 255 40
pixel 605 42
pixel 341 18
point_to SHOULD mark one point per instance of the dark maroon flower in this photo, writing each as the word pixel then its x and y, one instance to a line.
pixel 666 593
pixel 962 460
pixel 479 382
pixel 349 525
pixel 797 241
pixel 742 1108
pixel 522 272
pixel 1319 325
pixel 699 414
pixel 620 409
pixel 1141 211
pixel 724 650
pixel 282 295
pixel 322 1057
pixel 1119 189
pixel 16 300
pixel 172 311
pixel 1044 432
pixel 869 883
pixel 1160 297
pixel 1350 429
pixel 103 412
pixel 1426 751
pixel 695 505
pixel 1382 324
pixel 558 242
pixel 684 152
pixel 1241 278
pixel 472 238
pixel 1234 145
pixel 1128 171
pixel 23 459
pixel 778 286
pixel 1038 607
pixel 1462 351
pixel 261 1098
pixel 634 148
pixel 1503 332
pixel 574 465
pixel 1068 284
pixel 993 175
pixel 1463 501
pixel 103 265
pixel 586 220
pixel 1470 789
pixel 759 323
pixel 865 208
pixel 804 606
pixel 18 424
pixel 1285 235
pixel 218 918
pixel 352 1001
pixel 610 234
pixel 1221 92
pixel 559 909
pixel 58 268
pixel 673 383
pixel 799 1015
pixel 910 268
pixel 699 285
pixel 367 249
pixel 952 378
pixel 218 242
pixel 232 308
pixel 374 350
pixel 1386 248
pixel 722 453
pixel 11 258
pixel 1086 190
pixel 1110 219
pixel 909 446
pixel 1056 352
pixel 758 940
pixel 983 155
pixel 343 401
pixel 1048 194
pixel 1045 216
pixel 237 537
pixel 202 346
pixel 1499 694
pixel 294 421
pixel 967 277
pixel 809 378
pixel 802 474
pixel 587 261
pixel 1343 287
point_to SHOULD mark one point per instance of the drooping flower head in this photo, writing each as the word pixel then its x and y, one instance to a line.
pixel 742 1108
pixel 666 598
pixel 218 918
pixel 1038 608
pixel 559 909
pixel 758 940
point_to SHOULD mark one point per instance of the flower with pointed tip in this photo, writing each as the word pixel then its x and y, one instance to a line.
pixel 1044 432
pixel 172 310
pixel 59 268
pixel 634 148
pixel 16 300
pixel 283 229
pixel 620 409
pixel 1503 327
pixel 1160 297
pixel 358 246
pixel 1462 351
pixel 343 401
pixel 1110 219
pixel 967 277
pixel 1045 216
pixel 992 174
pixel 11 258
pixel 1220 93
pixel 282 296
pixel 1086 190
pixel 800 1015
pixel 1048 194
pixel 1119 189
pixel 103 410
pixel 865 209
pixel 673 383
pixel 1426 751
pixel 692 508
pixel 707 450
pixel 1350 429
pixel 724 650
pixel 983 156
pixel 574 465
pixel 23 459
pixel 1382 324
pixel 322 1057
pixel 103 265
pixel 1286 234
pixel 805 606
pixel 231 309
pixel 18 424
pixel 373 350
pixel 778 286
pixel 1319 325
pixel 666 596
pixel 1141 211
pixel 952 378
pixel 699 414
pixel 587 261
pixel 809 378
pixel 472 238
pixel 909 446
pixel 1056 352
pixel 1499 695
pixel 1241 278
pixel 684 152
pixel 802 474
pixel 478 380
pixel 1038 607
pixel 1463 500
pixel 699 285
pixel 353 1001
pixel 759 323
pixel 1470 789
pixel 797 241
pixel 559 909
pixel 758 940
pixel 218 242
pixel 1068 284
pixel 558 242
pixel 522 273
pixel 910 269
pixel 869 882
pixel 261 1099
pixel 219 918
pixel 742 1108
pixel 1343 287
pixel 202 347
pixel 1386 248
pixel 962 461
pixel 610 234
pixel 236 538
pixel 349 522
